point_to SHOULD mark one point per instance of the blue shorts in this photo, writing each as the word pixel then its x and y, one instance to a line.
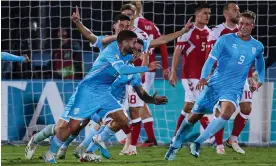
pixel 68 107
pixel 91 99
pixel 209 97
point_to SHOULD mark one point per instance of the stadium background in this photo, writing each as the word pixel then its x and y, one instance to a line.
pixel 32 97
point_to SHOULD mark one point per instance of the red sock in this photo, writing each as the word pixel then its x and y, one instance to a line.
pixel 148 125
pixel 204 121
pixel 219 136
pixel 239 124
pixel 179 121
pixel 135 132
pixel 126 129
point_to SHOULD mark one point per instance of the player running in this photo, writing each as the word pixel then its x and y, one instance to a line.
pixel 231 13
pixel 234 54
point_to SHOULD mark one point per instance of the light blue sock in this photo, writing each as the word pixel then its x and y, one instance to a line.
pixel 106 134
pixel 211 129
pixel 55 145
pixel 92 147
pixel 45 133
pixel 182 132
pixel 68 141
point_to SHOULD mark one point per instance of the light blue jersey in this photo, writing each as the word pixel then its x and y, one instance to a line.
pixel 234 57
pixel 93 95
pixel 10 57
pixel 118 89
pixel 99 43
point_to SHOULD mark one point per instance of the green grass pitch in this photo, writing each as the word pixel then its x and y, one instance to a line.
pixel 263 156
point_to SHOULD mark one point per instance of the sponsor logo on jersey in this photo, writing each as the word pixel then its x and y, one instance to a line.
pixel 253 50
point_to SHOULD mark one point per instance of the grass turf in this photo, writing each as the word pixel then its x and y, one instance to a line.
pixel 14 155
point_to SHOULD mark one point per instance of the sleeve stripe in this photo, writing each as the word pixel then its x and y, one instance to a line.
pixel 95 44
pixel 120 61
pixel 211 56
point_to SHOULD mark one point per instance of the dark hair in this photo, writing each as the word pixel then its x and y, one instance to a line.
pixel 226 7
pixel 128 7
pixel 140 41
pixel 121 17
pixel 201 5
pixel 249 14
pixel 126 35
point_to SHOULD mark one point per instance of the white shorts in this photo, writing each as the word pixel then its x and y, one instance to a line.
pixel 247 94
pixel 133 98
pixel 149 80
pixel 191 93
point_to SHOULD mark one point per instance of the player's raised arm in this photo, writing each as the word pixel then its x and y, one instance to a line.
pixel 83 30
pixel 167 38
pixel 10 57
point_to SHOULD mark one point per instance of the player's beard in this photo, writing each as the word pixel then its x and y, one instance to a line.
pixel 235 20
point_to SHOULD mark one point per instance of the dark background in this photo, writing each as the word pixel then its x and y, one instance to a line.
pixel 19 36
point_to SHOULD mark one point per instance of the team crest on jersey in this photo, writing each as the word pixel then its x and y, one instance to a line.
pixel 197 36
pixel 116 56
pixel 253 50
pixel 234 45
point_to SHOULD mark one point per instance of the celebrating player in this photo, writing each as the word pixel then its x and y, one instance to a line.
pixel 234 54
pixel 193 45
pixel 231 13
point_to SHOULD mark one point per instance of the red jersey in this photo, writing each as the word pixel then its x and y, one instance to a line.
pixel 216 32
pixel 141 35
pixel 193 45
pixel 153 33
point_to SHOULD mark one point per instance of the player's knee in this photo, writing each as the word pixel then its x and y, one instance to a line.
pixel 188 106
pixel 193 118
pixel 73 128
pixel 123 121
pixel 246 109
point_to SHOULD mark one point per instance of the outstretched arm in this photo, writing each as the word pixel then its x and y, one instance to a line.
pixel 83 30
pixel 10 57
pixel 150 99
pixel 167 38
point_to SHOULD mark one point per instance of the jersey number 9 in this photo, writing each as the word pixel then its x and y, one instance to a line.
pixel 242 58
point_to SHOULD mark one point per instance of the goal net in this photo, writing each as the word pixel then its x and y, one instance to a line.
pixel 34 94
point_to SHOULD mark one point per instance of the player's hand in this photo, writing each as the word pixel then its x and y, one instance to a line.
pixel 258 85
pixel 27 59
pixel 166 73
pixel 154 65
pixel 76 16
pixel 158 100
pixel 201 83
pixel 188 25
pixel 173 79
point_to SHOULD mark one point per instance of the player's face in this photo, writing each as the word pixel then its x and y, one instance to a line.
pixel 233 13
pixel 138 51
pixel 121 25
pixel 245 26
pixel 203 16
pixel 129 45
pixel 128 13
